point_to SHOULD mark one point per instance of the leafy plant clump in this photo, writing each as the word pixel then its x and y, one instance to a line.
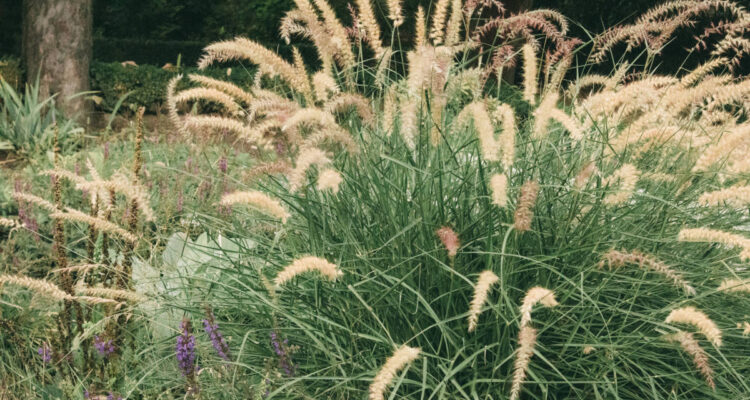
pixel 404 231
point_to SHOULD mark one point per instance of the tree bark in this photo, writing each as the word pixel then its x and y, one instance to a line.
pixel 57 47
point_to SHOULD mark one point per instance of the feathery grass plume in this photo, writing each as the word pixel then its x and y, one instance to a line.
pixel 507 139
pixel 525 207
pixel 331 134
pixel 547 111
pixel 734 285
pixel 339 37
pixel 324 86
pixel 394 12
pixel 114 294
pixel 384 64
pixel 221 123
pixel 526 342
pixel 438 21
pixel 420 36
pixel 246 49
pixel 36 200
pixel 208 94
pixel 9 223
pixel 499 187
pixel 481 290
pixel 372 29
pixel 402 357
pixel 535 295
pixel 268 168
pixel 82 269
pixel 530 73
pixel 307 264
pixel 701 71
pixel 716 236
pixel 390 105
pixel 101 225
pixel 40 286
pixel 119 184
pixel 616 259
pixel 329 179
pixel 723 148
pixel 61 173
pixel 628 176
pixel 352 100
pixel 174 115
pixel 745 326
pixel 308 117
pixel 453 29
pixel 409 122
pixel 735 196
pixel 658 177
pixel 450 240
pixel 307 158
pixel 588 350
pixel 583 176
pixel 227 87
pixel 490 147
pixel 700 358
pixel 692 316
pixel 259 201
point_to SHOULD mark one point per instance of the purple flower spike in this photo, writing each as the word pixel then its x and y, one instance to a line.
pixel 186 349
pixel 282 351
pixel 217 339
pixel 45 352
pixel 104 347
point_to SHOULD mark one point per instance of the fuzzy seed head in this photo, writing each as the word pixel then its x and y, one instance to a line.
pixel 692 316
pixel 402 357
pixel 481 291
pixel 533 296
pixel 308 264
pixel 257 200
pixel 499 187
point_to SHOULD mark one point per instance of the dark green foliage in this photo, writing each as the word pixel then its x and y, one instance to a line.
pixel 148 83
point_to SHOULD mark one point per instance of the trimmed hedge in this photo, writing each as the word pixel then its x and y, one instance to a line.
pixel 148 83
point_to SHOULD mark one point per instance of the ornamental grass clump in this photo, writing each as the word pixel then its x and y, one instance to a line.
pixel 412 190
pixel 386 145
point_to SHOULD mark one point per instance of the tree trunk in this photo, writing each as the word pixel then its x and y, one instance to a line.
pixel 57 47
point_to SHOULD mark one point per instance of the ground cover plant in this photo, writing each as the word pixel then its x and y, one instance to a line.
pixel 399 228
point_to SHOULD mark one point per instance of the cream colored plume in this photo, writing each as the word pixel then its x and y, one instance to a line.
pixel 36 200
pixel 692 316
pixel 481 290
pixel 324 86
pixel 257 200
pixel 530 73
pixel 402 357
pixel 100 224
pixel 499 187
pixel 716 236
pixel 736 196
pixel 245 49
pixel 395 13
pixel 535 295
pixel 735 285
pixel 616 259
pixel 329 179
pixel 526 342
pixel 48 289
pixel 308 264
pixel 115 294
pixel 208 94
pixel 226 87
pixel 700 358
pixel 627 176
pixel 307 158
pixel 525 208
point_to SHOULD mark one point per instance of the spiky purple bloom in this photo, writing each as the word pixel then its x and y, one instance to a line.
pixel 185 349
pixel 45 352
pixel 217 339
pixel 104 347
pixel 282 351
